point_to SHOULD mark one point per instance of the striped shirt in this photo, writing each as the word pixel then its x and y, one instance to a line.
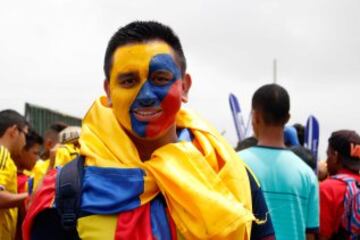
pixel 8 182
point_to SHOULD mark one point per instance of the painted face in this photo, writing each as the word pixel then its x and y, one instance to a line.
pixel 145 88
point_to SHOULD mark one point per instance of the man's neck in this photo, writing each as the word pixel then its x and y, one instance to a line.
pixel 146 147
pixel 271 136
pixel 5 143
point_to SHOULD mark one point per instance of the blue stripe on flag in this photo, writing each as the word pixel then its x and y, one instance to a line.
pixel 111 190
pixel 159 219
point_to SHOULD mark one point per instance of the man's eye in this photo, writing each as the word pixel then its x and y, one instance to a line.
pixel 161 78
pixel 127 81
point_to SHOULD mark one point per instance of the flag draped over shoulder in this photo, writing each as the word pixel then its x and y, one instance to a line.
pixel 205 185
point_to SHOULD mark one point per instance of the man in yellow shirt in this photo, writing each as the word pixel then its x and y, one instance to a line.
pixel 13 130
pixel 25 162
pixel 69 147
pixel 51 138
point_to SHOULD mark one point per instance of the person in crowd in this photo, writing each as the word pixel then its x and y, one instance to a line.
pixel 68 147
pixel 13 131
pixel 152 170
pixel 338 216
pixel 51 138
pixel 300 130
pixel 292 141
pixel 25 161
pixel 289 185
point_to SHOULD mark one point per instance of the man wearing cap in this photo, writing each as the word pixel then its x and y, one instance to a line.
pixel 343 158
pixel 69 147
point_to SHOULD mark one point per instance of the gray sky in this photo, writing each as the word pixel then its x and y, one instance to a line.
pixel 52 54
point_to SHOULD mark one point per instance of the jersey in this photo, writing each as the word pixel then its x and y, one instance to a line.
pixel 8 182
pixel 290 188
pixel 65 153
pixel 332 193
pixel 40 169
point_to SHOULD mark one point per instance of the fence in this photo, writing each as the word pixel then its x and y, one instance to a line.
pixel 41 118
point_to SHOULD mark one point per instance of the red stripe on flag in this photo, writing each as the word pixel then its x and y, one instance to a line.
pixel 43 198
pixel 134 224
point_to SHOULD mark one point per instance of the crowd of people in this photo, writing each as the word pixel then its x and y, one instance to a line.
pixel 143 167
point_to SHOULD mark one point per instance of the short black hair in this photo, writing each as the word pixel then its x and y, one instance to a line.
pixel 273 102
pixel 58 126
pixel 140 32
pixel 33 138
pixel 9 118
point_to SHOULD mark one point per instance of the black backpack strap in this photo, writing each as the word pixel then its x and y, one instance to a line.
pixel 68 193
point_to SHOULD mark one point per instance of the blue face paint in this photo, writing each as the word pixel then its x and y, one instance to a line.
pixel 151 94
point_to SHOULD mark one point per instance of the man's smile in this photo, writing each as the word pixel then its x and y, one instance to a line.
pixel 147 114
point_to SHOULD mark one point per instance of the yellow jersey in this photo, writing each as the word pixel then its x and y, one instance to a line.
pixel 8 182
pixel 65 153
pixel 40 169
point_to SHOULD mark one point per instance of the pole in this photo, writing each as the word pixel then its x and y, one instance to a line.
pixel 275 70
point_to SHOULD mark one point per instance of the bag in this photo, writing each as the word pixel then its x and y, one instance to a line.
pixel 351 217
pixel 60 222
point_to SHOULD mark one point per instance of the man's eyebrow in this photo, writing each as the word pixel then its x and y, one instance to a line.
pixel 127 75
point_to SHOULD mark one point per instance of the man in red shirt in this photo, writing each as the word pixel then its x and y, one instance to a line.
pixel 343 157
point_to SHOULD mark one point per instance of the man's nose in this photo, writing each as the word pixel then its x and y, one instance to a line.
pixel 146 96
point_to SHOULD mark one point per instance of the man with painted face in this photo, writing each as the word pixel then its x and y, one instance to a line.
pixel 152 170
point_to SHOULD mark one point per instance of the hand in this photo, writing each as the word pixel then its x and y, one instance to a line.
pixel 322 170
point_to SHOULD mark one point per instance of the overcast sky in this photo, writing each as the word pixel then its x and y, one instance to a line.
pixel 51 54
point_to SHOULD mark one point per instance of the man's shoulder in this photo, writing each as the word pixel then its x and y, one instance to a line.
pixel 332 184
pixel 299 165
pixel 247 155
pixel 6 162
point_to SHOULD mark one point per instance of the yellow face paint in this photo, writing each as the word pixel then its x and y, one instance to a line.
pixel 130 70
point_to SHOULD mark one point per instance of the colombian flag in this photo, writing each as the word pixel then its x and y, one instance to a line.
pixel 195 189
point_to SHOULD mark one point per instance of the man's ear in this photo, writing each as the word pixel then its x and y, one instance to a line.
pixel 186 85
pixel 256 116
pixel 12 131
pixel 107 91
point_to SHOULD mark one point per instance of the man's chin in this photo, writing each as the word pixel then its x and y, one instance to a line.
pixel 156 135
pixel 153 137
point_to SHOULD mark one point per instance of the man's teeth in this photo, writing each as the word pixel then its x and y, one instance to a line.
pixel 147 113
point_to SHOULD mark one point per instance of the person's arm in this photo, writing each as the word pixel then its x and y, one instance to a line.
pixel 264 231
pixel 10 200
pixel 310 236
pixel 312 219
pixel 323 238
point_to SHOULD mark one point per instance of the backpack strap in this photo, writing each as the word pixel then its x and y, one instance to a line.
pixel 68 193
pixel 351 216
pixel 343 177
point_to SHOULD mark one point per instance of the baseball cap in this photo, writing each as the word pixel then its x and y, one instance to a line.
pixel 69 134
pixel 347 144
